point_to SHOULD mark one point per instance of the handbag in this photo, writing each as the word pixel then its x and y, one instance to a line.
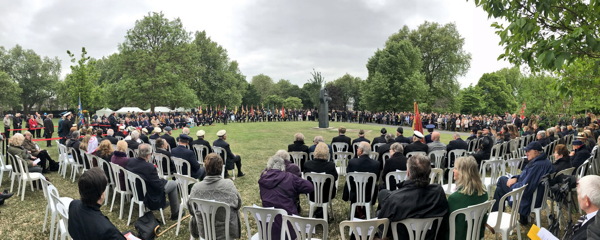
pixel 147 226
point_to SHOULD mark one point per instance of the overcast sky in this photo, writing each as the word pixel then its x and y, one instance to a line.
pixel 282 39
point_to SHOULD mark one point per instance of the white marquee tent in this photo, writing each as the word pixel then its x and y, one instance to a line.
pixel 104 112
pixel 129 109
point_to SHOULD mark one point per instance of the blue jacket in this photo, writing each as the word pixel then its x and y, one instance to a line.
pixel 188 155
pixel 532 174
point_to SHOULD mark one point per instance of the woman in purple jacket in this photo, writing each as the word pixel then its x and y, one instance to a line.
pixel 279 189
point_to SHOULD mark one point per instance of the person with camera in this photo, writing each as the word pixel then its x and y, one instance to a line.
pixel 538 166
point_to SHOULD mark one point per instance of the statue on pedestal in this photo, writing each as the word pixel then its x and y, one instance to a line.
pixel 323 109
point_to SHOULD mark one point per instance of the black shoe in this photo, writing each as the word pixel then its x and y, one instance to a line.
pixel 241 174
pixel 5 195
pixel 226 174
pixel 524 220
pixel 45 170
pixel 175 216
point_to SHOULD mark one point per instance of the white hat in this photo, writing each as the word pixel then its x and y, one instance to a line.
pixel 122 127
pixel 221 133
pixel 145 130
pixel 200 133
pixel 156 130
pixel 418 134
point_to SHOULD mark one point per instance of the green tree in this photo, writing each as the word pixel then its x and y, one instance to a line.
pixel 540 94
pixel 335 93
pixel 292 103
pixel 251 96
pixel 11 92
pixel 579 85
pixel 394 79
pixel 263 84
pixel 496 95
pixel 154 60
pixel 36 76
pixel 471 100
pixel 443 57
pixel 273 100
pixel 349 87
pixel 546 33
pixel 285 89
pixel 111 70
pixel 312 89
pixel 83 82
pixel 215 79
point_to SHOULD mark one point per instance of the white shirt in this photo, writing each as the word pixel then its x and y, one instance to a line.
pixel 588 217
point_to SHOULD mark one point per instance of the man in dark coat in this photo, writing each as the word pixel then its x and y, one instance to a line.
pixel 48 129
pixel 361 137
pixel 361 164
pixel 181 151
pixel 86 221
pixel 417 145
pixel 156 187
pixel 133 142
pixel 113 122
pixel 397 161
pixel 385 148
pixel 200 141
pixel 400 136
pixel 299 146
pixel 110 137
pixel 231 158
pixel 589 203
pixel 457 143
pixel 167 137
pixel 65 128
pixel 155 133
pixel 380 139
pixel 579 154
pixel 415 198
pixel 144 136
pixel 342 138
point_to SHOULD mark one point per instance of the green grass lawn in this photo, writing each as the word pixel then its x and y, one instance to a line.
pixel 254 142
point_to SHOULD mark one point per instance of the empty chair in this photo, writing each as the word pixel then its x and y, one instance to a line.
pixel 436 176
pixel 138 188
pixel 303 228
pixel 437 158
pixel 394 177
pixel 119 177
pixel 513 165
pixel 417 228
pixel 184 183
pixel 474 217
pixel 340 147
pixel 206 210
pixel 201 152
pixel 496 168
pixel 361 181
pixel 341 161
pixel 182 166
pixel 504 222
pixel 48 189
pixel 376 146
pixel 65 160
pixel 264 218
pixel 322 195
pixel 453 155
pixel 4 168
pixel 365 229
pixel 299 158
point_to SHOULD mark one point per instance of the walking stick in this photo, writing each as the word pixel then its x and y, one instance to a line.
pixel 169 228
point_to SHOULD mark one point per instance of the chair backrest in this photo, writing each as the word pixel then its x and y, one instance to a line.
pixel 385 157
pixel 474 216
pixel 514 165
pixel 376 146
pixel 117 171
pixel 417 227
pixel 137 186
pixel 437 157
pixel 179 166
pixel 303 227
pixel 62 153
pixel 298 157
pixel 60 207
pixel 361 181
pixel 131 153
pixel 184 182
pixel 410 154
pixel 340 147
pixel 201 152
pixel 76 156
pixel 23 166
pixel 355 148
pixel 364 229
pixel 153 143
pixel 17 168
pixel 264 219
pixel 436 176
pixel 497 169
pixel 496 152
pixel 341 160
pixel 514 148
pixel 581 170
pixel 318 180
pixel 162 161
pixel 471 145
pixel 221 152
pixel 515 195
pixel 397 176
pixel 119 138
pixel 455 154
pixel 205 212
pixel 374 155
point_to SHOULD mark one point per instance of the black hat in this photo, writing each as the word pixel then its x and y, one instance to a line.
pixel 185 137
pixel 383 131
pixel 535 145
pixel 577 143
pixel 400 130
pixel 430 126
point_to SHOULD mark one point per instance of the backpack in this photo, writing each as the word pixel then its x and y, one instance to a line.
pixel 147 226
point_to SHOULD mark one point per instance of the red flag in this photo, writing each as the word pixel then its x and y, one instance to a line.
pixel 282 112
pixel 417 124
pixel 252 110
pixel 523 111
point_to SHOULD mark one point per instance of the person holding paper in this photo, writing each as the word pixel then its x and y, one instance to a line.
pixel 15 147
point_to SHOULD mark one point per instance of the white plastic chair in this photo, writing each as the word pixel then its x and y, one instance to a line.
pixel 62 208
pixel 436 176
pixel 77 164
pixel 504 222
pixel 410 154
pixel 201 152
pixel 374 155
pixel 221 152
pixel 14 175
pixel 355 148
pixel 264 219
pixel 340 147
pixel 364 229
pixel 397 176
pixel 360 181
pixel 376 146
pixel 582 169
pixel 162 160
pixel 51 206
pixel 437 157
pixel 4 168
pixel 179 163
pixel 116 171
pixel 513 165
pixel 131 153
pixel 183 182
pixel 417 228
pixel 341 161
pixel 137 183
pixel 205 212
pixel 303 227
pixel 105 166
pixel 65 160
pixel 385 157
pixel 319 180
pixel 497 169
pixel 474 216
pixel 298 157
pixel 24 175
pixel 153 143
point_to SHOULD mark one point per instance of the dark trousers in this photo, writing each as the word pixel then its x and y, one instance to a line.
pixel 501 190
pixel 38 133
pixel 48 134
pixel 6 132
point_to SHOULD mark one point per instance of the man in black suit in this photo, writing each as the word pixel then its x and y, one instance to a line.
pixel 161 147
pixel 110 137
pixel 182 151
pixel 133 142
pixel 588 188
pixel 579 154
pixel 385 148
pixel 155 133
pixel 361 164
pixel 400 137
pixel 457 143
pixel 48 129
pixel 361 137
pixel 156 187
pixel 380 139
pixel 200 141
pixel 342 138
pixel 167 137
pixel 231 158
pixel 144 136
pixel 417 145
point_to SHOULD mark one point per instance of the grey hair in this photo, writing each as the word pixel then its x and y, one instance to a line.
pixel 542 134
pixel 298 137
pixel 389 137
pixel 185 131
pixel 318 139
pixel 135 135
pixel 283 154
pixel 397 147
pixel 276 162
pixel 589 186
pixel 75 135
pixel 110 132
pixel 456 135
pixel 365 147
pixel 145 150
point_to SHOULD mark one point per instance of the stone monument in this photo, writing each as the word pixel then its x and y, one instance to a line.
pixel 324 109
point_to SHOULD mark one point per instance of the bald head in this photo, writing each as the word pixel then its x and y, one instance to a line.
pixel 435 136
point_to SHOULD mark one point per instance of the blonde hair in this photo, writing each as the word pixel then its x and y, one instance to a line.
pixel 469 180
pixel 16 140
pixel 105 148
pixel 122 146
pixel 321 151
pixel 84 143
